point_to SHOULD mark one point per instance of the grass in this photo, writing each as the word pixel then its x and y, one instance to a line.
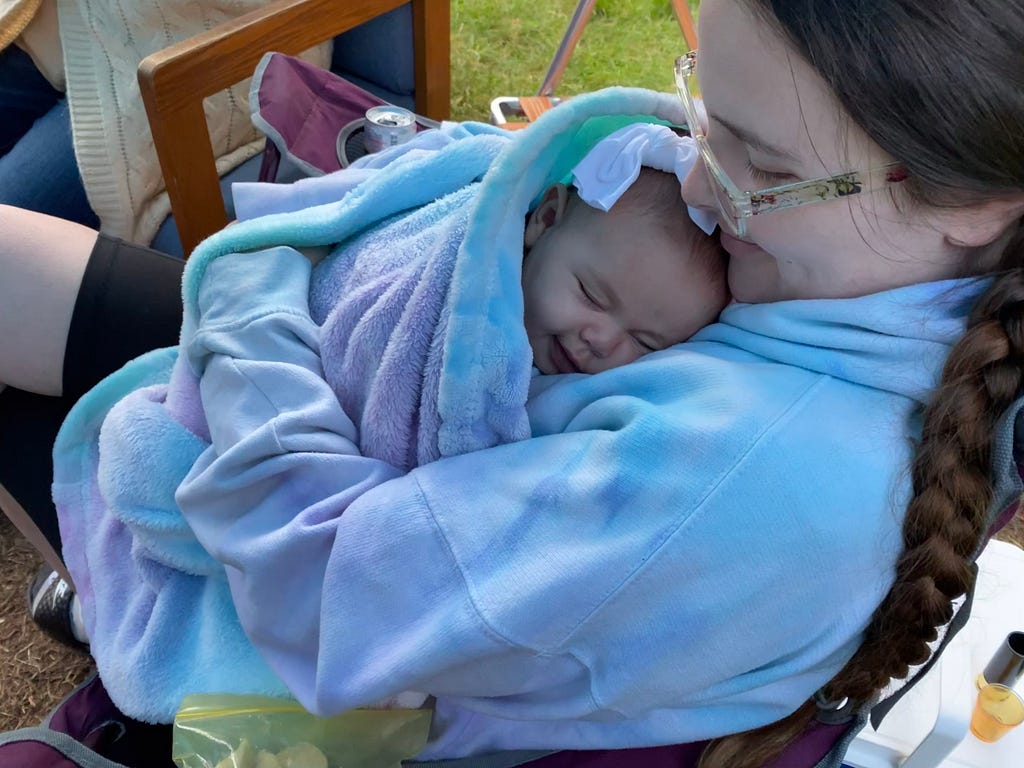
pixel 504 48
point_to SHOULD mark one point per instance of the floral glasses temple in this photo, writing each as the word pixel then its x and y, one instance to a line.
pixel 735 206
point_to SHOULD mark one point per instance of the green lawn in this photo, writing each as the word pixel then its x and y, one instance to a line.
pixel 504 47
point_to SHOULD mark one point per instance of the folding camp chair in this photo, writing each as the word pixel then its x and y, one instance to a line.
pixel 519 111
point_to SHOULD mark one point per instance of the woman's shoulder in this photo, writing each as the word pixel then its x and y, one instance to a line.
pixel 748 432
pixel 718 388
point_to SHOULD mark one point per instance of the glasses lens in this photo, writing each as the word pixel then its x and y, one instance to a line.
pixel 686 83
pixel 728 217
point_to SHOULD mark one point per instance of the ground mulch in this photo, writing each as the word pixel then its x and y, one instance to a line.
pixel 37 672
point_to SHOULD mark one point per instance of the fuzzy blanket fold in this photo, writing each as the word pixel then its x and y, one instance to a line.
pixel 422 341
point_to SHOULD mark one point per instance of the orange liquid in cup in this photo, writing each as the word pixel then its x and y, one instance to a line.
pixel 996 712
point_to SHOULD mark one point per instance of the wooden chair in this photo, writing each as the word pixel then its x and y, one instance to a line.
pixel 175 81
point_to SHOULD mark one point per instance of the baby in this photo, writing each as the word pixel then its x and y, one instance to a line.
pixel 626 271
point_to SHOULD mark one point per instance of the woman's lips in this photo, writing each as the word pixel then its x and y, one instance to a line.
pixel 560 358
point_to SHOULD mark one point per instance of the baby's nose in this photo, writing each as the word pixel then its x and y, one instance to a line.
pixel 611 352
pixel 600 338
pixel 607 342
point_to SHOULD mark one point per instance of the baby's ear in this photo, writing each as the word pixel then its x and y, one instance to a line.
pixel 548 213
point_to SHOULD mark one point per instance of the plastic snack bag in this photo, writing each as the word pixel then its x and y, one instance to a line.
pixel 222 731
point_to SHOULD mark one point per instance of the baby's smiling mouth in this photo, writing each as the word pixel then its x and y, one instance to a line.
pixel 561 359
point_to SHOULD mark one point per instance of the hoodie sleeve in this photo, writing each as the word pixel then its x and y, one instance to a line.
pixel 270 496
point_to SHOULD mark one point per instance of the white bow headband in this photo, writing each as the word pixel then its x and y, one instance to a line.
pixel 611 167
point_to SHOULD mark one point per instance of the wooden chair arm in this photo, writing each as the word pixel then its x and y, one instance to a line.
pixel 175 81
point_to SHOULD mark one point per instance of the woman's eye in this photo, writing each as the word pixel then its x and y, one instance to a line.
pixel 768 177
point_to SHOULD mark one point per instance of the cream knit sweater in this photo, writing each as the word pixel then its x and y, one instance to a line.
pixel 103 42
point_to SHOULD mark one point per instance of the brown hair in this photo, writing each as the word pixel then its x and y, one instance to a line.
pixel 655 199
pixel 937 84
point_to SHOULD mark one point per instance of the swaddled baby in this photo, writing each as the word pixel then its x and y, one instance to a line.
pixel 614 266
pixel 422 344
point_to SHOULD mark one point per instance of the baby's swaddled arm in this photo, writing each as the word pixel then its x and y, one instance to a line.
pixel 256 352
pixel 283 470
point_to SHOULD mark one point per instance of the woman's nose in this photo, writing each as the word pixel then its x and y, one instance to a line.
pixel 696 188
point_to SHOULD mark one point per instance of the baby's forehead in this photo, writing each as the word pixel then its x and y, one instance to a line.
pixel 647 265
pixel 631 238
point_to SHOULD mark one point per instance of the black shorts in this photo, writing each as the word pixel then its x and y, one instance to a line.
pixel 129 303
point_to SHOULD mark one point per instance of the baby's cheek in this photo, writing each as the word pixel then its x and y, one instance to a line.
pixel 534 345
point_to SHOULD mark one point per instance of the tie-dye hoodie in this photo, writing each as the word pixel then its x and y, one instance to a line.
pixel 686 546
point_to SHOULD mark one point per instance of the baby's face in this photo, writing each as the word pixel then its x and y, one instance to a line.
pixel 597 297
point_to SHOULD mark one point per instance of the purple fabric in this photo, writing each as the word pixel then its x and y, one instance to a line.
pixel 302 107
pixel 805 753
pixel 812 747
pixel 33 754
pixel 672 756
pixel 307 106
pixel 89 717
pixel 84 714
pixel 383 301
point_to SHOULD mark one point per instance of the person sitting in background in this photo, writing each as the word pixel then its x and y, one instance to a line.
pixel 74 140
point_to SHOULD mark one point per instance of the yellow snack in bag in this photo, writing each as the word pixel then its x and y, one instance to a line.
pixel 243 757
pixel 212 731
pixel 265 759
pixel 302 756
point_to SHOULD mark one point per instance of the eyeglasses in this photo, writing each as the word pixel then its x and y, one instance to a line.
pixel 734 206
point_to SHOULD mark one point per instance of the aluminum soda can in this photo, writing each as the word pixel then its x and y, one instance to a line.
pixel 387 127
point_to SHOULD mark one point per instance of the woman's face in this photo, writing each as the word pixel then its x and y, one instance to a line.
pixel 772 120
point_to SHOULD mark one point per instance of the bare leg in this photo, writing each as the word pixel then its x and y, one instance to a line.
pixel 42 260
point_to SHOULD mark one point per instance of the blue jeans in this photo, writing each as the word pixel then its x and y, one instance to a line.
pixel 38 170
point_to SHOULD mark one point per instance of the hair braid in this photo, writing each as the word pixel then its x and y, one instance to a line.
pixel 945 519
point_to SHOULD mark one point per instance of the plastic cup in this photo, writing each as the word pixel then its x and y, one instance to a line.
pixel 997 711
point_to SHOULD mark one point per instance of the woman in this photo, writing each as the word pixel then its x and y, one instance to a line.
pixel 562 603
pixel 75 142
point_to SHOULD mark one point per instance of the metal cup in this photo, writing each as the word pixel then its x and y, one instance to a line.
pixel 1006 667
